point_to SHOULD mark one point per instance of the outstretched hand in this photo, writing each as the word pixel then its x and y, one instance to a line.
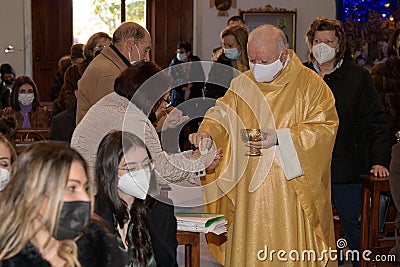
pixel 211 159
pixel 174 118
pixel 201 140
pixel 206 150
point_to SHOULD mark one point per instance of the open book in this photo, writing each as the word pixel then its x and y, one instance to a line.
pixel 201 222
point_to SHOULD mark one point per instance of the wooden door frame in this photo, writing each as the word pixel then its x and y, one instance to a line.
pixel 164 13
pixel 51 39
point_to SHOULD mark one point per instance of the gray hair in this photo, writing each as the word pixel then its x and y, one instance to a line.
pixel 268 29
pixel 128 30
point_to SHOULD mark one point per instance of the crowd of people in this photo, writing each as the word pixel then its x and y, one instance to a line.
pixel 91 196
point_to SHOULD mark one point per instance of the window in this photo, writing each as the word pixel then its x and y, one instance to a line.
pixel 91 16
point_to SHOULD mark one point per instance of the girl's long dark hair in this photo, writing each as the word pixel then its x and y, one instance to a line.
pixel 110 152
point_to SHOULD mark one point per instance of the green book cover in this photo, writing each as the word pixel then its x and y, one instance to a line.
pixel 203 218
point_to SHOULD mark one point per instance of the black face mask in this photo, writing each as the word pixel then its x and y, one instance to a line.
pixel 9 82
pixel 74 218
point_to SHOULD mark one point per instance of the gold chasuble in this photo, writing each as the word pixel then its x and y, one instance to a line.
pixel 276 216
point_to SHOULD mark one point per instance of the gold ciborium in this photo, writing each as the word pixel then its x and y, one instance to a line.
pixel 252 135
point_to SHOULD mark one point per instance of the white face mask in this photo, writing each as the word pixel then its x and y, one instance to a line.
pixel 26 99
pixel 266 73
pixel 4 178
pixel 181 57
pixel 129 55
pixel 323 53
pixel 135 183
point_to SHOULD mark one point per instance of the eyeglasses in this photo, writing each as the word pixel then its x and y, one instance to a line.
pixel 147 165
pixel 99 47
pixel 167 101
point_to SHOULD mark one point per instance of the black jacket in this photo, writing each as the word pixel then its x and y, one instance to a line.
pixel 363 137
pixel 161 223
pixel 220 77
pixel 180 79
pixel 63 124
pixel 387 81
pixel 95 249
pixel 4 96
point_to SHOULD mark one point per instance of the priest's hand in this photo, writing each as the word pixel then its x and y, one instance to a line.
pixel 201 140
pixel 211 159
pixel 269 139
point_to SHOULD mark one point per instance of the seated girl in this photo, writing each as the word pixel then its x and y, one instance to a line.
pixel 25 105
pixel 45 212
pixel 145 226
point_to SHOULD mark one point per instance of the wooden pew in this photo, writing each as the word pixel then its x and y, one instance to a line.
pixel 25 137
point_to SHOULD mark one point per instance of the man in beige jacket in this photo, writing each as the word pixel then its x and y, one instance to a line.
pixel 131 43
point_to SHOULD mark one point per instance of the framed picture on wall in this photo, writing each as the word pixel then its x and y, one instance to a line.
pixel 280 17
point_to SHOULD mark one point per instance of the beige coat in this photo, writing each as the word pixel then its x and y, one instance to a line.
pixel 98 80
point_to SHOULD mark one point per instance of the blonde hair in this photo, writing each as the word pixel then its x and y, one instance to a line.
pixel 39 175
pixel 241 35
pixel 7 143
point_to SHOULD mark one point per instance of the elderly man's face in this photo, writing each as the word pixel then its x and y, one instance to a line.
pixel 262 50
pixel 144 47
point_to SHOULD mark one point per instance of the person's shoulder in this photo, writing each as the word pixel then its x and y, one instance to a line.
pixel 164 201
pixel 304 73
pixel 224 60
pixel 194 58
pixel 306 69
pixel 103 63
pixel 81 67
pixel 353 69
pixel 58 118
pixel 3 89
pixel 102 205
pixel 174 61
pixel 110 99
pixel 96 65
pixel 62 117
pixel 29 256
pixel 108 52
pixel 162 207
pixel 381 68
pixel 308 64
pixel 96 246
